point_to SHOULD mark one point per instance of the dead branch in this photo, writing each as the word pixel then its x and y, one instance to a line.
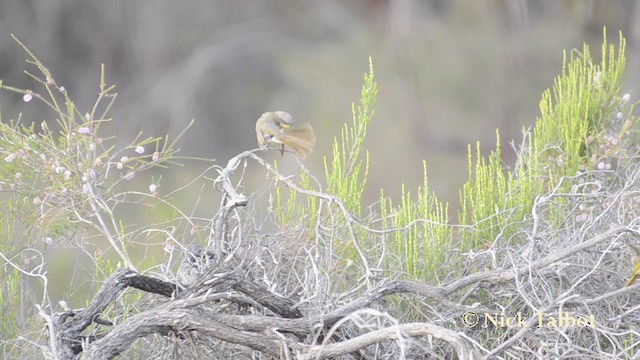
pixel 462 347
pixel 231 303
pixel 184 313
pixel 261 333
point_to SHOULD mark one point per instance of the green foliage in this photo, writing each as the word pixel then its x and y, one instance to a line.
pixel 286 213
pixel 346 173
pixel 62 175
pixel 573 114
pixel 575 111
pixel 484 195
pixel 420 234
pixel 345 176
pixel 10 300
pixel 495 199
pixel 61 182
pixel 290 209
pixel 312 202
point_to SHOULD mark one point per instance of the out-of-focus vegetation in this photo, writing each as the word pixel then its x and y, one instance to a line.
pixel 451 71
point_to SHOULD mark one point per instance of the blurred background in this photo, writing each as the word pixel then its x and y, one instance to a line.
pixel 450 71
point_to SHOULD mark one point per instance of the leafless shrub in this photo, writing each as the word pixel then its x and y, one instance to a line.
pixel 552 290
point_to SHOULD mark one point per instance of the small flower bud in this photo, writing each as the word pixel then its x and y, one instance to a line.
pixel 625 98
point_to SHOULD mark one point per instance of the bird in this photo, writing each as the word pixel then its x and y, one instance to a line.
pixel 277 127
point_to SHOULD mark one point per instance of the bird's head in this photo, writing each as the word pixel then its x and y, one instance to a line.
pixel 285 119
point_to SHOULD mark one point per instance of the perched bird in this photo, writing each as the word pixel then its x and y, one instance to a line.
pixel 277 127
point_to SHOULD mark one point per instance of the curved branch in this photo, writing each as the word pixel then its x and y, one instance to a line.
pixel 167 319
pixel 463 349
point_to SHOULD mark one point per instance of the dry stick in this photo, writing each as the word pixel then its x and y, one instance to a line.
pixel 234 201
pixel 107 233
pixel 607 295
pixel 521 333
pixel 53 340
pixel 234 328
pixel 458 343
pixel 506 275
pixel 548 260
pixel 69 331
pixel 168 319
pixel 304 326
pixel 180 316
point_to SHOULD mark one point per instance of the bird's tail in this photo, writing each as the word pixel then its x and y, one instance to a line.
pixel 300 140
